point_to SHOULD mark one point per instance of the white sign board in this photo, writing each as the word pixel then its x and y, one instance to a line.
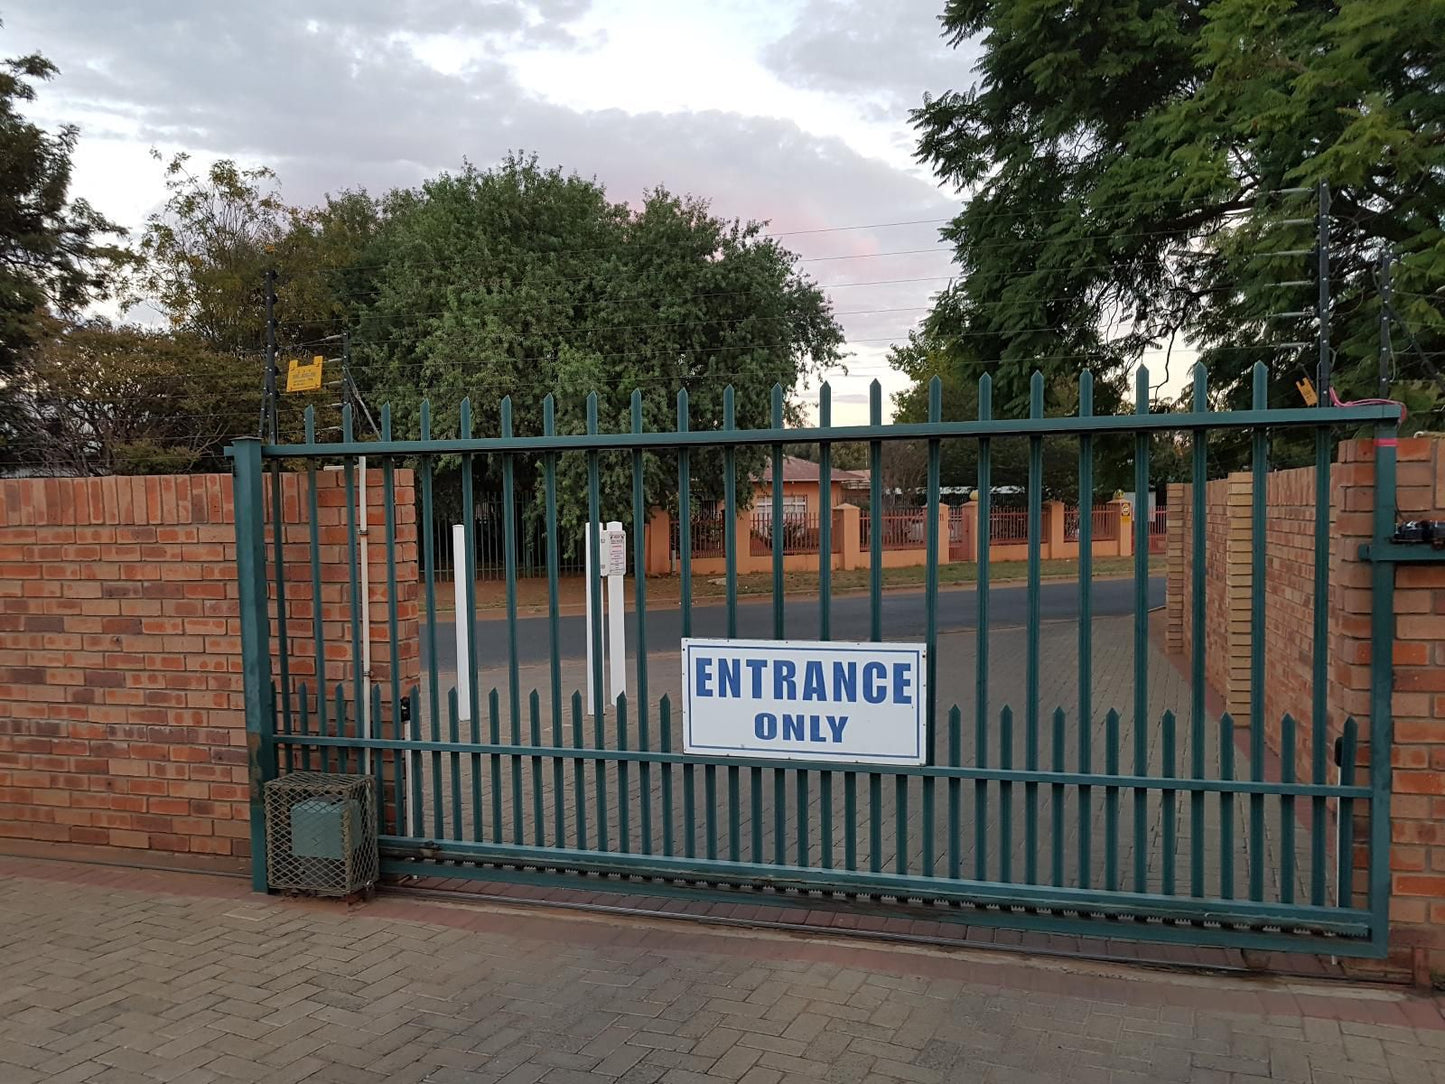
pixel 805 700
pixel 613 544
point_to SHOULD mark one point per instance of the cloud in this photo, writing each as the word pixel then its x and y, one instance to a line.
pixel 885 57
pixel 384 93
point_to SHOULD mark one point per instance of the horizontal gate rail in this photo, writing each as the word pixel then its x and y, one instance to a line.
pixel 1007 775
pixel 1106 831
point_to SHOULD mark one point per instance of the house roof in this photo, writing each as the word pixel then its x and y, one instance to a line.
pixel 797 469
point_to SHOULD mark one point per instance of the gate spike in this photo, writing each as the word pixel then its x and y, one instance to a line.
pixel 1086 398
pixel 346 433
pixel 985 397
pixel 935 397
pixel 1036 395
pixel 1141 390
pixel 466 417
pixel 426 419
pixel 1201 387
pixel 506 415
pixel 386 421
pixel 682 410
pixel 549 415
pixel 637 410
pixel 592 412
pixel 728 418
pixel 310 425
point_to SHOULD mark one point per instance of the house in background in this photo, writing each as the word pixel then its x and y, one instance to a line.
pixel 803 488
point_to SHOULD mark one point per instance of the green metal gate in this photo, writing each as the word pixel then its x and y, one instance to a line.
pixel 1112 819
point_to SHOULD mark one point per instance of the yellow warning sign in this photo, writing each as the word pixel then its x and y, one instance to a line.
pixel 304 375
pixel 1307 391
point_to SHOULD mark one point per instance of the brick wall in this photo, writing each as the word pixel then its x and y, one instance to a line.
pixel 1417 857
pixel 121 709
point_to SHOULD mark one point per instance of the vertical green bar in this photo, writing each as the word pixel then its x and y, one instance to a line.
pixel 825 819
pixel 579 775
pixel 875 516
pixel 438 791
pixel 1286 809
pixel 429 547
pixel 800 782
pixel 955 759
pixel 689 811
pixel 935 452
pixel 1005 794
pixel 534 708
pixel 494 738
pixel 825 518
pixel 467 566
pixel 1319 683
pixel 1169 801
pixel 378 762
pixel 342 757
pixel 755 816
pixel 1226 808
pixel 730 516
pixel 780 816
pixel 984 531
pixel 454 735
pixel 283 613
pixel 1345 872
pixel 549 489
pixel 684 534
pixel 734 806
pixel 1086 629
pixel 1057 831
pixel 624 788
pixel 639 587
pixel 1111 802
pixel 353 560
pixel 1031 631
pixel 418 784
pixel 709 808
pixel 1197 682
pixel 594 589
pixel 318 631
pixel 509 566
pixel 255 642
pixel 850 816
pixel 875 822
pixel 1141 630
pixel 777 532
pixel 980 786
pixel 1382 727
pixel 1259 462
pixel 393 638
pixel 664 728
pixel 900 823
pixel 303 722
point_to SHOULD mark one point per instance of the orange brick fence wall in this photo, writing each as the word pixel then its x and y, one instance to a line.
pixel 121 709
pixel 1417 829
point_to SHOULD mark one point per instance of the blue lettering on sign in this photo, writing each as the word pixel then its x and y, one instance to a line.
pixel 704 676
pixel 756 668
pixel 902 683
pixel 845 681
pixel 813 685
pixel 875 682
pixel 729 677
pixel 807 728
pixel 785 687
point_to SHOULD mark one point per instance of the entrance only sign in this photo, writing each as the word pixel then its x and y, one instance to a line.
pixel 857 703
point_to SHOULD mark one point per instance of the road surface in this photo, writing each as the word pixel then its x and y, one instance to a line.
pixel 904 618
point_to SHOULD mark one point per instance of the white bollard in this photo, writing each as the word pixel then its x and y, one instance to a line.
pixel 461 570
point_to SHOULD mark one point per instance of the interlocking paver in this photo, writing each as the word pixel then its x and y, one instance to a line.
pixel 110 985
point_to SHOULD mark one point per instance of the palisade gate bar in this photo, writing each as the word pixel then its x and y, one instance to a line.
pixel 1075 814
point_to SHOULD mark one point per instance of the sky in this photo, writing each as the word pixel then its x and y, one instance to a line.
pixel 794 112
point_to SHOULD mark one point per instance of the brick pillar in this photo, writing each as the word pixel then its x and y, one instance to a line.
pixel 1417 804
pixel 943 527
pixel 969 515
pixel 1125 514
pixel 1238 580
pixel 1178 496
pixel 659 543
pixel 846 524
pixel 1053 540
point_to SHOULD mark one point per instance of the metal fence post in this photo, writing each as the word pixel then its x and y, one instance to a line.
pixel 255 641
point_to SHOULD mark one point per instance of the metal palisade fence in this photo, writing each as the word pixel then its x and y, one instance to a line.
pixel 1049 798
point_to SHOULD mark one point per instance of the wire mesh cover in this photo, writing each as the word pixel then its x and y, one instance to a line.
pixel 321 833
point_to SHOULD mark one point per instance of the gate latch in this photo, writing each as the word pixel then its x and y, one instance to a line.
pixel 1421 540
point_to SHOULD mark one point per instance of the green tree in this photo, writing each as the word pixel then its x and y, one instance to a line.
pixel 101 399
pixel 525 281
pixel 55 252
pixel 1128 167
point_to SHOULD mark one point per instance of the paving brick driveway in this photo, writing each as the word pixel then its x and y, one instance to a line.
pixel 117 977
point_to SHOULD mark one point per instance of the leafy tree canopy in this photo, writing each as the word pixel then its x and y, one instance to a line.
pixel 526 282
pixel 56 254
pixel 1127 166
